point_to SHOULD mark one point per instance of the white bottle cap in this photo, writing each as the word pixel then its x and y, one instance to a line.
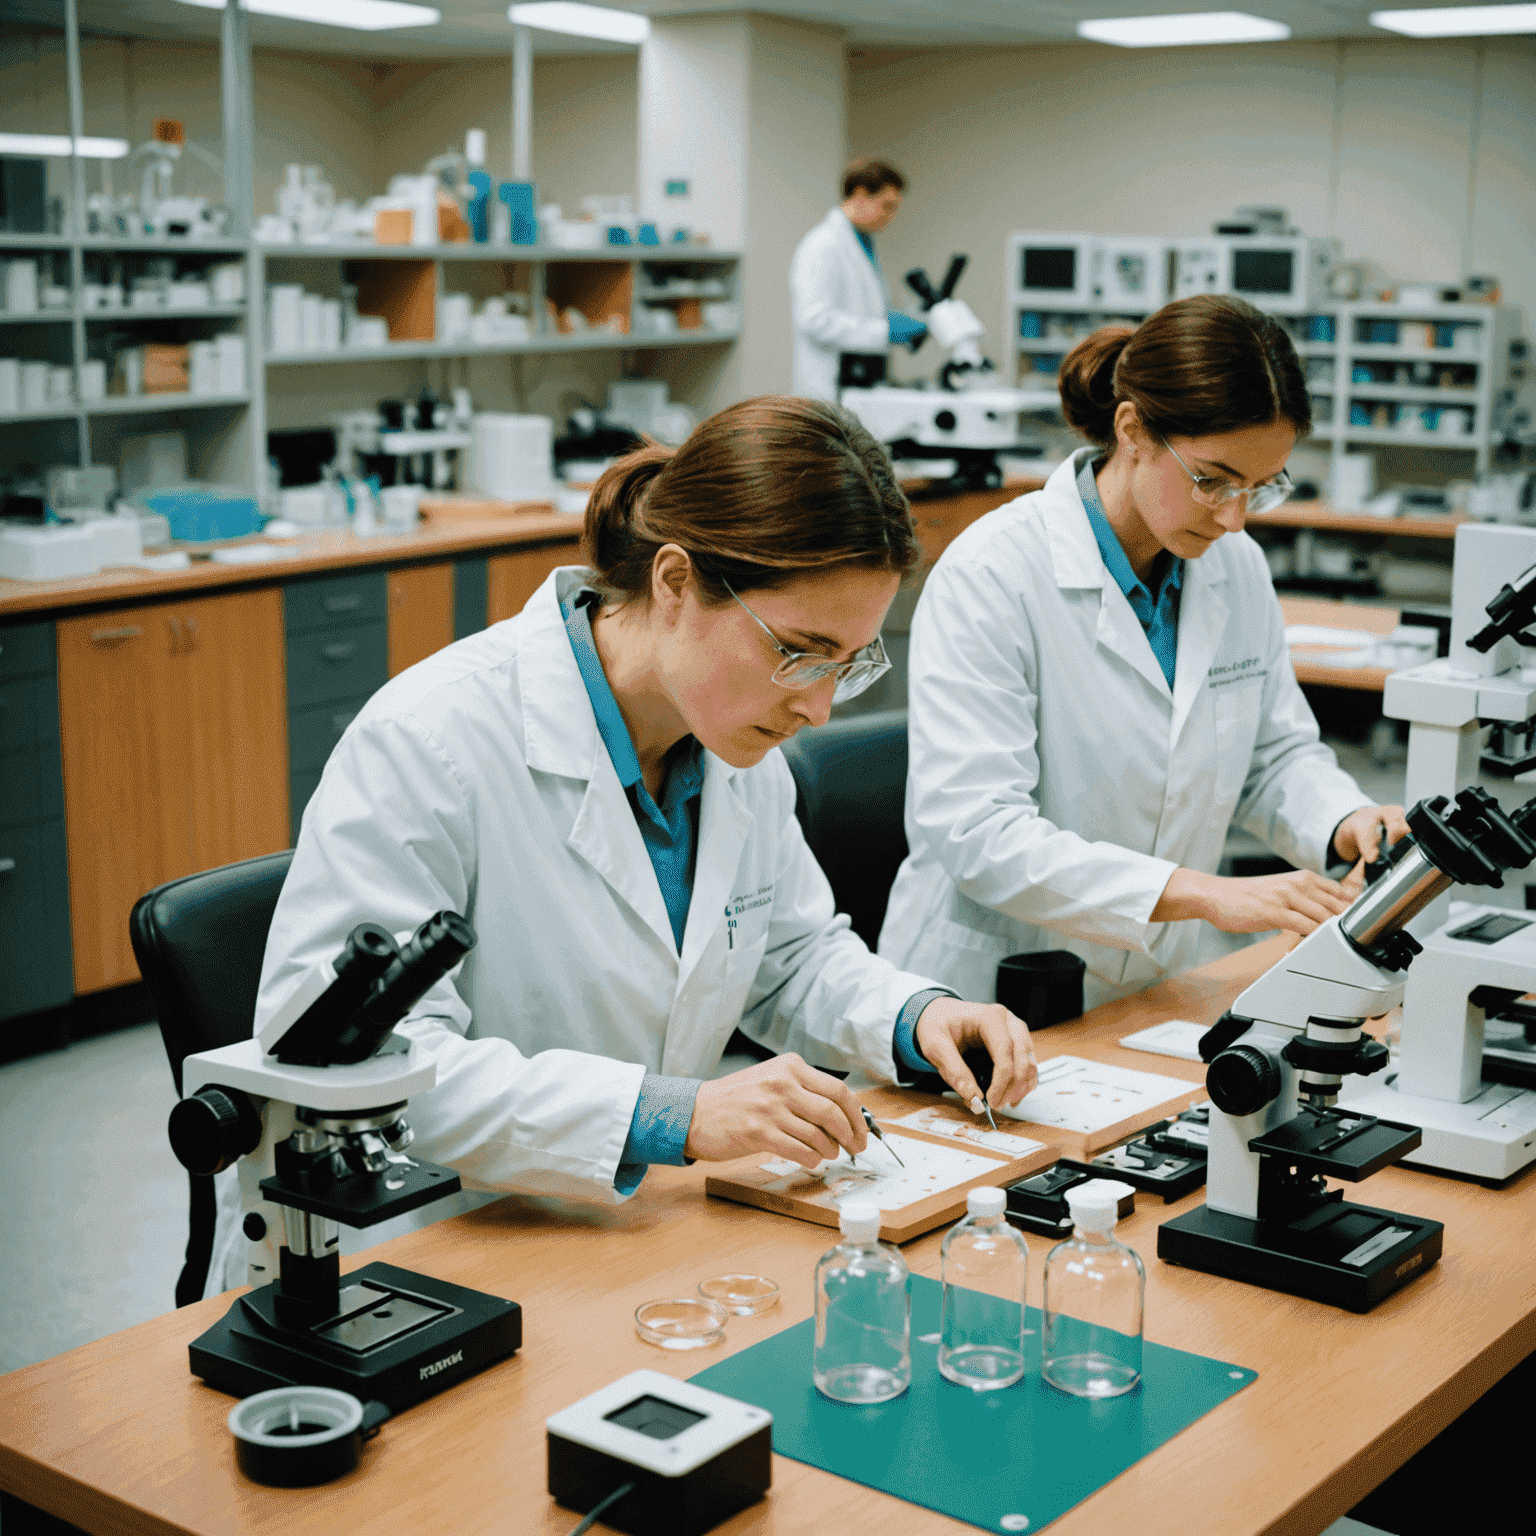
pixel 1095 1206
pixel 474 146
pixel 986 1201
pixel 859 1221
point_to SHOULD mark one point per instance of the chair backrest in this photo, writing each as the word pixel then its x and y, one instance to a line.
pixel 199 942
pixel 851 774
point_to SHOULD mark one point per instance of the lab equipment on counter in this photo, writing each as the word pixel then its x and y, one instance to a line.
pixel 968 418
pixel 863 1347
pixel 1042 988
pixel 1276 1065
pixel 681 1322
pixel 1039 1203
pixel 47 554
pixel 312 1111
pixel 511 457
pixel 659 1457
pixel 984 1264
pixel 300 1437
pixel 197 512
pixel 743 1295
pixel 1094 1298
pixel 156 458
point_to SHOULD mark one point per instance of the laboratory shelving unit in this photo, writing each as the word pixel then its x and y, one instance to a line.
pixel 227 433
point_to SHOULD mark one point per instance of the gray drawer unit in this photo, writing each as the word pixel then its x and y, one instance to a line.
pixel 34 916
pixel 471 597
pixel 31 786
pixel 333 664
pixel 355 598
pixel 313 732
pixel 27 650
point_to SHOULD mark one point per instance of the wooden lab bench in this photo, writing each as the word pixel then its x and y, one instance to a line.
pixel 118 1437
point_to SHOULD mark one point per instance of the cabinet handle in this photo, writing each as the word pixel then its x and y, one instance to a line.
pixel 192 635
pixel 339 650
pixel 6 866
pixel 123 632
pixel 342 604
pixel 174 625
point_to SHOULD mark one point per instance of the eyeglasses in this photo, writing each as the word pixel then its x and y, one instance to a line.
pixel 804 669
pixel 1217 491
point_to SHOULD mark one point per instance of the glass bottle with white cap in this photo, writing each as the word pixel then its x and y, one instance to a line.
pixel 1094 1292
pixel 863 1346
pixel 984 1263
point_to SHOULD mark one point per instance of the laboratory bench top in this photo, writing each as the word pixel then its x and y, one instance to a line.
pixel 117 1436
pixel 306 555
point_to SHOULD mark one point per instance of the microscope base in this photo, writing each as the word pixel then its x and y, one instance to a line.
pixel 1492 1136
pixel 400 1338
pixel 1307 1257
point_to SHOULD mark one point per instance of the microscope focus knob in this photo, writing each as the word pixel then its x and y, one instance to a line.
pixel 1242 1080
pixel 213 1128
pixel 945 421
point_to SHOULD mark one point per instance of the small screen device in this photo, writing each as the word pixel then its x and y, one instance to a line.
pixel 691 1457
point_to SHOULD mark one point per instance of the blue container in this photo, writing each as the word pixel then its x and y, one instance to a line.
pixel 1320 328
pixel 648 235
pixel 1359 415
pixel 479 210
pixel 1445 335
pixel 1361 374
pixel 521 197
pixel 618 235
pixel 1381 333
pixel 197 513
pixel 1031 323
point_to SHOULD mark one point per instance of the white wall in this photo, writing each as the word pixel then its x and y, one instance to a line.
pixel 1420 157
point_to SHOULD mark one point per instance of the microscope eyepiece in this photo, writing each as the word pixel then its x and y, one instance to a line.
pixel 366 956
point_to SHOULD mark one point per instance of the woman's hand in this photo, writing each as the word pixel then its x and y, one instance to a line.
pixel 784 1107
pixel 947 1026
pixel 1298 901
pixel 1359 836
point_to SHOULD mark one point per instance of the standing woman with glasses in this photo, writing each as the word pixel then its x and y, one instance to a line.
pixel 595 785
pixel 1100 685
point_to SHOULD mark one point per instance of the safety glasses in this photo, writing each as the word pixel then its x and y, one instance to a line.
pixel 804 669
pixel 1216 491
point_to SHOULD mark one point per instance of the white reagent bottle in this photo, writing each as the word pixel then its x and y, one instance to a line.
pixel 984 1263
pixel 863 1343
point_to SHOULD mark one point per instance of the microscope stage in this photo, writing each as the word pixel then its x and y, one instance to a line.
pixel 1492 1136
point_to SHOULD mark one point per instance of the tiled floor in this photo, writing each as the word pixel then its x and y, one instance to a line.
pixel 93 1206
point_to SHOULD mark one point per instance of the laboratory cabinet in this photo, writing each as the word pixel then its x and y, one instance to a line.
pixel 172 723
pixel 36 971
pixel 513 578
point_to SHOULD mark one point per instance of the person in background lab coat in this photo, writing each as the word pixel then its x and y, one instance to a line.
pixel 595 785
pixel 840 301
pixel 1100 685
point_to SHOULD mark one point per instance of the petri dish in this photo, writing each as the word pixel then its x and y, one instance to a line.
pixel 745 1295
pixel 685 1322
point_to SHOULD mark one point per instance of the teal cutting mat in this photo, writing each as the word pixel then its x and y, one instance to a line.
pixel 1011 1460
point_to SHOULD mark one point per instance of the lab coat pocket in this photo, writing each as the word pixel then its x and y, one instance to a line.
pixel 1237 730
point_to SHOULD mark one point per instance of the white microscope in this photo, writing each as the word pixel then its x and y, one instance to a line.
pixel 313 1109
pixel 1462 1018
pixel 969 418
pixel 1277 1061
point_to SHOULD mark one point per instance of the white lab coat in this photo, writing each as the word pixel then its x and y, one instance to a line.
pixel 838 300
pixel 478 781
pixel 1055 780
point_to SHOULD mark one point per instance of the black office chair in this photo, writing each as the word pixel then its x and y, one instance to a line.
pixel 199 942
pixel 851 774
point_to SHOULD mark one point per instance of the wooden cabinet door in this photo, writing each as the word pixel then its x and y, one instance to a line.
pixel 420 614
pixel 513 578
pixel 231 703
pixel 174 743
pixel 125 817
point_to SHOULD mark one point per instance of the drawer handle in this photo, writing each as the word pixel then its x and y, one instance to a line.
pixel 343 604
pixel 339 650
pixel 6 866
pixel 123 632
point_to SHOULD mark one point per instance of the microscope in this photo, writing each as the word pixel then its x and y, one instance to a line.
pixel 969 418
pixel 1465 1065
pixel 1278 1059
pixel 313 1111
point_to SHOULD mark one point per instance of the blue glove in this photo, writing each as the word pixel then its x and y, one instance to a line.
pixel 905 331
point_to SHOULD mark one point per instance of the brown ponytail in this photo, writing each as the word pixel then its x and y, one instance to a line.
pixel 760 492
pixel 1199 366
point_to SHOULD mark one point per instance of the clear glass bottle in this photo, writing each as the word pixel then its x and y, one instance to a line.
pixel 863 1344
pixel 984 1263
pixel 1094 1291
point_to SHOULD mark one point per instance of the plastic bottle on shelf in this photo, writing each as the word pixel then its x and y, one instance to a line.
pixel 1094 1292
pixel 984 1263
pixel 863 1340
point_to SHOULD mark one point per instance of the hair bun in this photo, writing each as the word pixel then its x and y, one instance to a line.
pixel 608 533
pixel 1087 383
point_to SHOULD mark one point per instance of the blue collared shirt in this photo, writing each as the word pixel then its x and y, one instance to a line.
pixel 658 1131
pixel 1159 611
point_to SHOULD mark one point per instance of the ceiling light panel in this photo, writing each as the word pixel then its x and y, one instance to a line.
pixel 574 20
pixel 1183 31
pixel 357 15
pixel 1459 21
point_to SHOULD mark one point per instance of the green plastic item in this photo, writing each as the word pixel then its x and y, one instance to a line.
pixel 1011 1460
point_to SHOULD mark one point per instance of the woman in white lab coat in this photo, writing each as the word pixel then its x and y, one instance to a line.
pixel 840 302
pixel 594 785
pixel 1100 686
